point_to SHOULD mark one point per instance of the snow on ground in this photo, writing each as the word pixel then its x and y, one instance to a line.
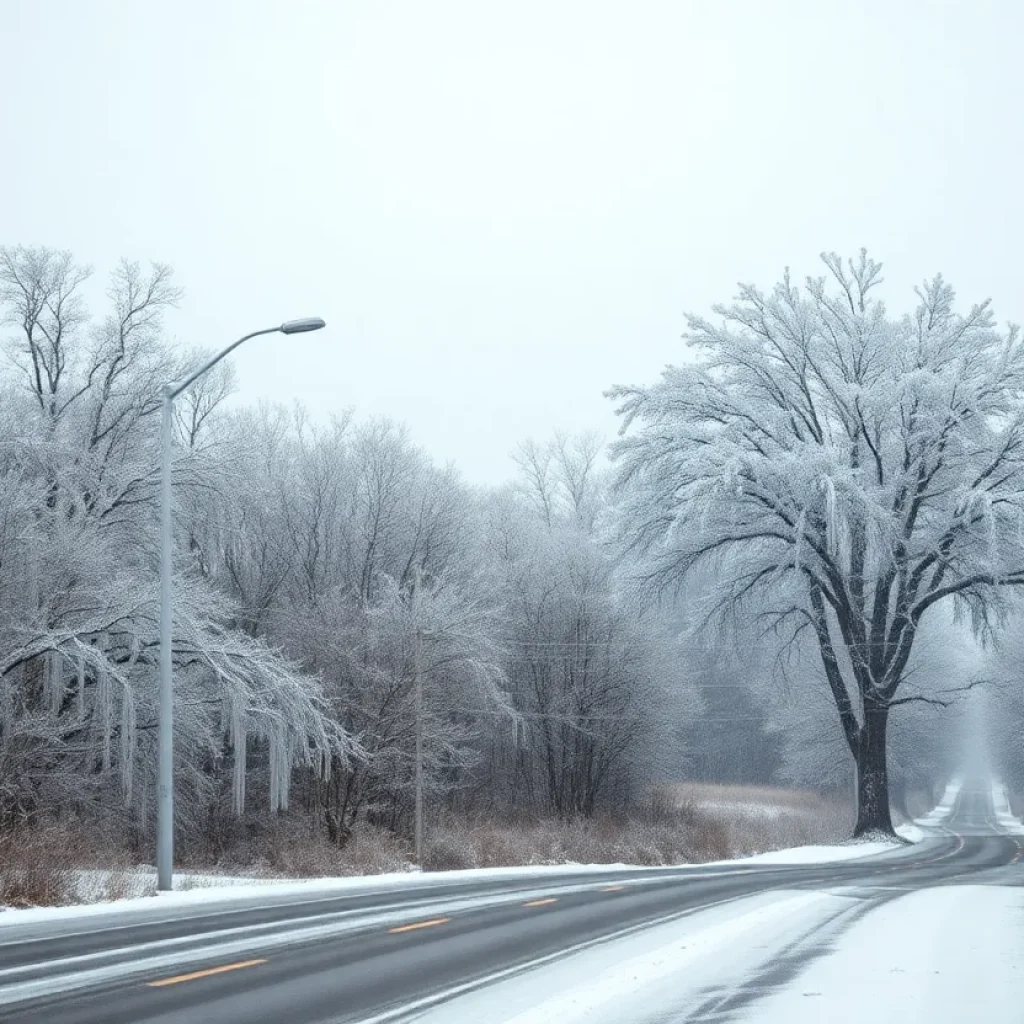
pixel 245 889
pixel 950 953
pixel 818 854
pixel 101 892
pixel 199 890
pixel 655 970
pixel 912 832
pixel 1005 819
pixel 931 824
pixel 944 808
pixel 94 886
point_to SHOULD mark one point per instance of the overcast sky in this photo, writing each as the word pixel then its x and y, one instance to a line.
pixel 503 208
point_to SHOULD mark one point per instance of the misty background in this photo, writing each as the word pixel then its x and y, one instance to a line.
pixel 501 209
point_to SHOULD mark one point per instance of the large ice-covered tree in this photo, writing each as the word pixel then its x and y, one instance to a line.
pixel 842 471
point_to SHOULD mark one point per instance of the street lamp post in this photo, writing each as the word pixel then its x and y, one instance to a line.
pixel 165 736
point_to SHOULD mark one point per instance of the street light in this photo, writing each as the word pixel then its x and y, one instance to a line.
pixel 310 323
pixel 165 740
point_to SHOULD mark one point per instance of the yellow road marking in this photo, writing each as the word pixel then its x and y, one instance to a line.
pixel 203 974
pixel 419 924
pixel 613 888
pixel 541 903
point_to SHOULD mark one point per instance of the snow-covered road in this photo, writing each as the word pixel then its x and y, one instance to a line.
pixel 950 951
pixel 897 933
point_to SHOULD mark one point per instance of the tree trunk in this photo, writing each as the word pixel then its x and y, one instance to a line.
pixel 873 813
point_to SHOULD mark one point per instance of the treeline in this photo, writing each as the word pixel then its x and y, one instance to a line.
pixel 318 567
pixel 310 561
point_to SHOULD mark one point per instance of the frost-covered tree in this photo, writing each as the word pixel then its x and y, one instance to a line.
pixel 317 534
pixel 842 472
pixel 78 578
pixel 587 668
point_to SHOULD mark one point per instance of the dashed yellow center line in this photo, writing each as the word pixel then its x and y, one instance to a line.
pixel 541 903
pixel 195 975
pixel 613 888
pixel 419 924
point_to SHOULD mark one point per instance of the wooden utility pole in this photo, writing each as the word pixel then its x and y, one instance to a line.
pixel 417 655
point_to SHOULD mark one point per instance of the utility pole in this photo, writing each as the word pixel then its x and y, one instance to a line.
pixel 417 655
pixel 165 732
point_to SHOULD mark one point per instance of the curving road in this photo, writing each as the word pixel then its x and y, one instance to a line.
pixel 383 954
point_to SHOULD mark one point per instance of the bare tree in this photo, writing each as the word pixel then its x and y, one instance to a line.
pixel 585 665
pixel 40 290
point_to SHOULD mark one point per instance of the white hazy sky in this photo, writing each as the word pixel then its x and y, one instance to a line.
pixel 503 208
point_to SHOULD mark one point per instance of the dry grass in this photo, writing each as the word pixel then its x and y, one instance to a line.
pixel 765 797
pixel 54 866
pixel 296 848
pixel 676 824
pixel 484 844
pixel 680 824
pixel 758 819
pixel 37 868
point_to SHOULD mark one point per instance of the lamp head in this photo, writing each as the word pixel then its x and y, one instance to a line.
pixel 310 323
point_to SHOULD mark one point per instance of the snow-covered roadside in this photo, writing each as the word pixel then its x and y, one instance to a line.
pixel 202 890
pixel 664 968
pixel 818 854
pixel 93 885
pixel 944 808
pixel 193 889
pixel 1005 818
pixel 726 959
pixel 950 953
pixel 257 889
pixel 931 824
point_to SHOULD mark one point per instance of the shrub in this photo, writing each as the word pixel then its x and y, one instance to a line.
pixel 37 869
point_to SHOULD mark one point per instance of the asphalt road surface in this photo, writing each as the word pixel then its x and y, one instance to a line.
pixel 380 955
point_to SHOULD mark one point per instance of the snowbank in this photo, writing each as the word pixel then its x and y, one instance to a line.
pixel 912 832
pixel 820 854
pixel 949 953
pixel 942 811
pixel 1005 819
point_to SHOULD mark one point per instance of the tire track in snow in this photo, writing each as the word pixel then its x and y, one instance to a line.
pixel 722 1004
